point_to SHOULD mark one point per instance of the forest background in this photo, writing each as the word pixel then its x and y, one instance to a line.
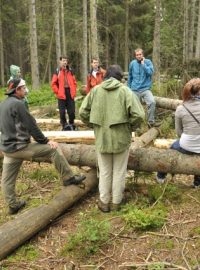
pixel 34 33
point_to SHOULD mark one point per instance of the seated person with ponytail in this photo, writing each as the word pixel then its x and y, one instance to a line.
pixel 187 125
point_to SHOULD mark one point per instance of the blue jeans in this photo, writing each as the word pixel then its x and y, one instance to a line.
pixel 148 98
pixel 176 146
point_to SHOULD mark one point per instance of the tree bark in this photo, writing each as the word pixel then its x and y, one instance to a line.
pixel 63 28
pixel 156 43
pixel 94 31
pixel 85 42
pixel 57 30
pixel 167 103
pixel 15 232
pixel 126 39
pixel 197 47
pixel 192 27
pixel 33 46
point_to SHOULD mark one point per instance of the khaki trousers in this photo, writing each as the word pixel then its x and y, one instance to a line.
pixel 13 161
pixel 112 173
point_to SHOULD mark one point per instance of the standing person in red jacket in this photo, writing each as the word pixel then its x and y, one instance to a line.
pixel 64 86
pixel 95 75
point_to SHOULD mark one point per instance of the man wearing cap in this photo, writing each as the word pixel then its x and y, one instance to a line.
pixel 16 127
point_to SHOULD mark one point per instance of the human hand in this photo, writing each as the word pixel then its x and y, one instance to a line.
pixel 53 144
pixel 142 61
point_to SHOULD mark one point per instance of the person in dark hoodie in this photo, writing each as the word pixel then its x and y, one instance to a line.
pixel 17 126
pixel 114 112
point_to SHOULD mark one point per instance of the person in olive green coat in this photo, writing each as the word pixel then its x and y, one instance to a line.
pixel 114 111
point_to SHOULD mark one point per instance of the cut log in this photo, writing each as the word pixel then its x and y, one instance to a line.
pixel 52 121
pixel 25 225
pixel 163 143
pixel 83 136
pixel 167 103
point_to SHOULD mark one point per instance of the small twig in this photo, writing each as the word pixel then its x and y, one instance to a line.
pixel 149 256
pixel 109 257
pixel 159 198
pixel 193 198
pixel 122 250
pixel 184 258
pixel 136 265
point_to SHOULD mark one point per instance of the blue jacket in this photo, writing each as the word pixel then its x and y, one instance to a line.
pixel 139 76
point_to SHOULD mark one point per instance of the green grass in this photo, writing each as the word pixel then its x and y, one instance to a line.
pixel 27 252
pixel 90 235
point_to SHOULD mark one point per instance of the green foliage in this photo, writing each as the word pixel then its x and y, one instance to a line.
pixel 167 128
pixel 88 238
pixel 44 96
pixel 170 88
pixel 143 219
pixel 171 194
pixel 41 174
pixel 27 252
pixel 195 231
pixel 156 266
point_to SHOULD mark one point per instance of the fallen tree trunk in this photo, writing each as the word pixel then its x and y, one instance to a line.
pixel 163 143
pixel 167 103
pixel 25 225
pixel 57 121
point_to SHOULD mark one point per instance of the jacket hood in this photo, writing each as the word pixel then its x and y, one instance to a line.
pixel 13 71
pixel 110 84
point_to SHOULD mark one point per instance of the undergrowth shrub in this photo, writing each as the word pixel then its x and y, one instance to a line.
pixel 143 219
pixel 88 238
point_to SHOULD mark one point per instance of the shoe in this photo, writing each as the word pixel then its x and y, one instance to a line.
pixel 104 207
pixel 154 124
pixel 196 183
pixel 115 206
pixel 160 180
pixel 74 180
pixel 15 209
pixel 68 127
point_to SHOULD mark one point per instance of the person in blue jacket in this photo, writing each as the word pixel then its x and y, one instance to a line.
pixel 140 81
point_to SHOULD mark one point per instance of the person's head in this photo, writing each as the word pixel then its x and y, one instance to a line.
pixel 17 87
pixel 114 71
pixel 94 63
pixel 191 89
pixel 63 61
pixel 139 54
pixel 15 72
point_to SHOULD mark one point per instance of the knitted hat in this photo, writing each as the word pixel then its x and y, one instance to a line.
pixel 14 70
pixel 13 85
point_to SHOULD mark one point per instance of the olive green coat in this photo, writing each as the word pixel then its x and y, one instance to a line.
pixel 114 111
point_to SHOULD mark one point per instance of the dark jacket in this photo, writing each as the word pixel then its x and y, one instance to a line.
pixel 17 126
pixel 58 82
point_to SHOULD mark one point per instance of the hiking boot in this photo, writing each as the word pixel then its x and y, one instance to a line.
pixel 160 180
pixel 68 127
pixel 104 207
pixel 74 180
pixel 15 209
pixel 115 206
pixel 196 183
pixel 154 124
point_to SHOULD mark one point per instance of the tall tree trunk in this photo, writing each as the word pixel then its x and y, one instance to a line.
pixel 185 31
pixel 116 48
pixel 107 44
pixel 85 47
pixel 197 49
pixel 57 30
pixel 193 19
pixel 33 46
pixel 1 47
pixel 126 41
pixel 63 28
pixel 156 43
pixel 93 25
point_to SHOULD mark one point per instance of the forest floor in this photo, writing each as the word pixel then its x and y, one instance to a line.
pixel 158 228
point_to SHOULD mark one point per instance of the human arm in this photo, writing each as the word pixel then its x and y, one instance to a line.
pixel 29 123
pixel 148 66
pixel 85 109
pixel 54 83
pixel 178 122
pixel 135 110
pixel 130 76
pixel 88 84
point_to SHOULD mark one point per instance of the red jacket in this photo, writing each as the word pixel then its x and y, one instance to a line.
pixel 57 83
pixel 92 81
